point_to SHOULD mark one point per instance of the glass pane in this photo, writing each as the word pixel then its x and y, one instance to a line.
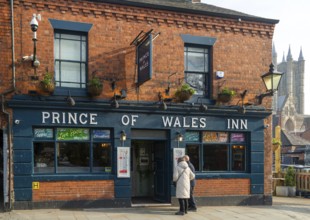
pixel 70 50
pixel 215 158
pixel 68 134
pixel 196 49
pixel 83 75
pixel 57 73
pixel 195 62
pixel 102 157
pixel 73 157
pixel 206 65
pixel 44 155
pixel 214 137
pixel 83 51
pixel 56 48
pixel 196 81
pixel 101 134
pixel 237 137
pixel 71 37
pixel 238 158
pixel 70 74
pixel 43 133
pixel 192 150
pixel 191 136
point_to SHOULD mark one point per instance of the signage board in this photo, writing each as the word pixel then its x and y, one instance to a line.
pixel 144 59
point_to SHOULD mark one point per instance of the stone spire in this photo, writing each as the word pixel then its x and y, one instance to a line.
pixel 274 57
pixel 301 57
pixel 289 55
pixel 301 83
pixel 283 58
pixel 289 73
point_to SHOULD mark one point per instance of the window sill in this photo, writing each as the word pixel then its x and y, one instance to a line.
pixel 63 91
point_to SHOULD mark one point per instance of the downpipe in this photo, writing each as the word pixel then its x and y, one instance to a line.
pixel 7 131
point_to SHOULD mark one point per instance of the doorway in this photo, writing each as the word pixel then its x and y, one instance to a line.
pixel 150 172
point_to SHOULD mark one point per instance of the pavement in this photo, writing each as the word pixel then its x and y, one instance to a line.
pixel 283 208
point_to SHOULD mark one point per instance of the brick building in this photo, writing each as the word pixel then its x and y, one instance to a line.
pixel 71 148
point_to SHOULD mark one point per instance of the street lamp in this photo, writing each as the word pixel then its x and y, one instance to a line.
pixel 34 27
pixel 271 80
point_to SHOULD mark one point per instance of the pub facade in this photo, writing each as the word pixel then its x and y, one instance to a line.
pixel 117 148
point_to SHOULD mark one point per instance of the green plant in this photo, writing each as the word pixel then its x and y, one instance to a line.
pixel 47 78
pixel 276 141
pixel 289 178
pixel 227 91
pixel 184 92
pixel 95 82
pixel 95 86
pixel 47 84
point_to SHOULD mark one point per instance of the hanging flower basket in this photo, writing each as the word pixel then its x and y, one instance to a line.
pixel 94 90
pixel 224 97
pixel 184 93
pixel 47 84
pixel 94 86
pixel 49 87
pixel 183 96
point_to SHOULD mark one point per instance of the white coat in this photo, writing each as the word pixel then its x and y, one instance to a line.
pixel 183 183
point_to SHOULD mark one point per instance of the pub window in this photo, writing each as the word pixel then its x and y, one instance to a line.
pixel 197 68
pixel 217 151
pixel 72 150
pixel 70 50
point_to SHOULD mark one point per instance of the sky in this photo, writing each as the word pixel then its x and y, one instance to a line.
pixel 291 31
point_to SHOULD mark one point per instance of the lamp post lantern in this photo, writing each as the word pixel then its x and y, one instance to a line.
pixel 271 80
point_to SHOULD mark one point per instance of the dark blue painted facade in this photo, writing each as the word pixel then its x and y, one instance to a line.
pixel 128 117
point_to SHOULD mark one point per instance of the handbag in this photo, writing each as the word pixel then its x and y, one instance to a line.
pixel 175 183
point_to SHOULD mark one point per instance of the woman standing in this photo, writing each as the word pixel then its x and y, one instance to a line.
pixel 182 175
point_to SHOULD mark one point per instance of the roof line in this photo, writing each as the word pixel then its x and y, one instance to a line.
pixel 194 11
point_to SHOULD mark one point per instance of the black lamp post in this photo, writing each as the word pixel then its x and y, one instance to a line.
pixel 34 27
pixel 271 80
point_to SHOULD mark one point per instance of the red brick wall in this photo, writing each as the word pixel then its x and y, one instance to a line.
pixel 74 190
pixel 242 49
pixel 222 187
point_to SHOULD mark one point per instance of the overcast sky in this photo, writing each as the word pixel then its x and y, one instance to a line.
pixel 292 31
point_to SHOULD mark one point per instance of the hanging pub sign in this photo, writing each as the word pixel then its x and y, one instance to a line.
pixel 144 59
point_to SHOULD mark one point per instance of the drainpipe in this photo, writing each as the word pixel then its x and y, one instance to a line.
pixel 7 153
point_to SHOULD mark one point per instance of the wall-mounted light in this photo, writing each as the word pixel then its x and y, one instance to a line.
pixel 123 137
pixel 179 138
pixel 271 80
pixel 34 25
